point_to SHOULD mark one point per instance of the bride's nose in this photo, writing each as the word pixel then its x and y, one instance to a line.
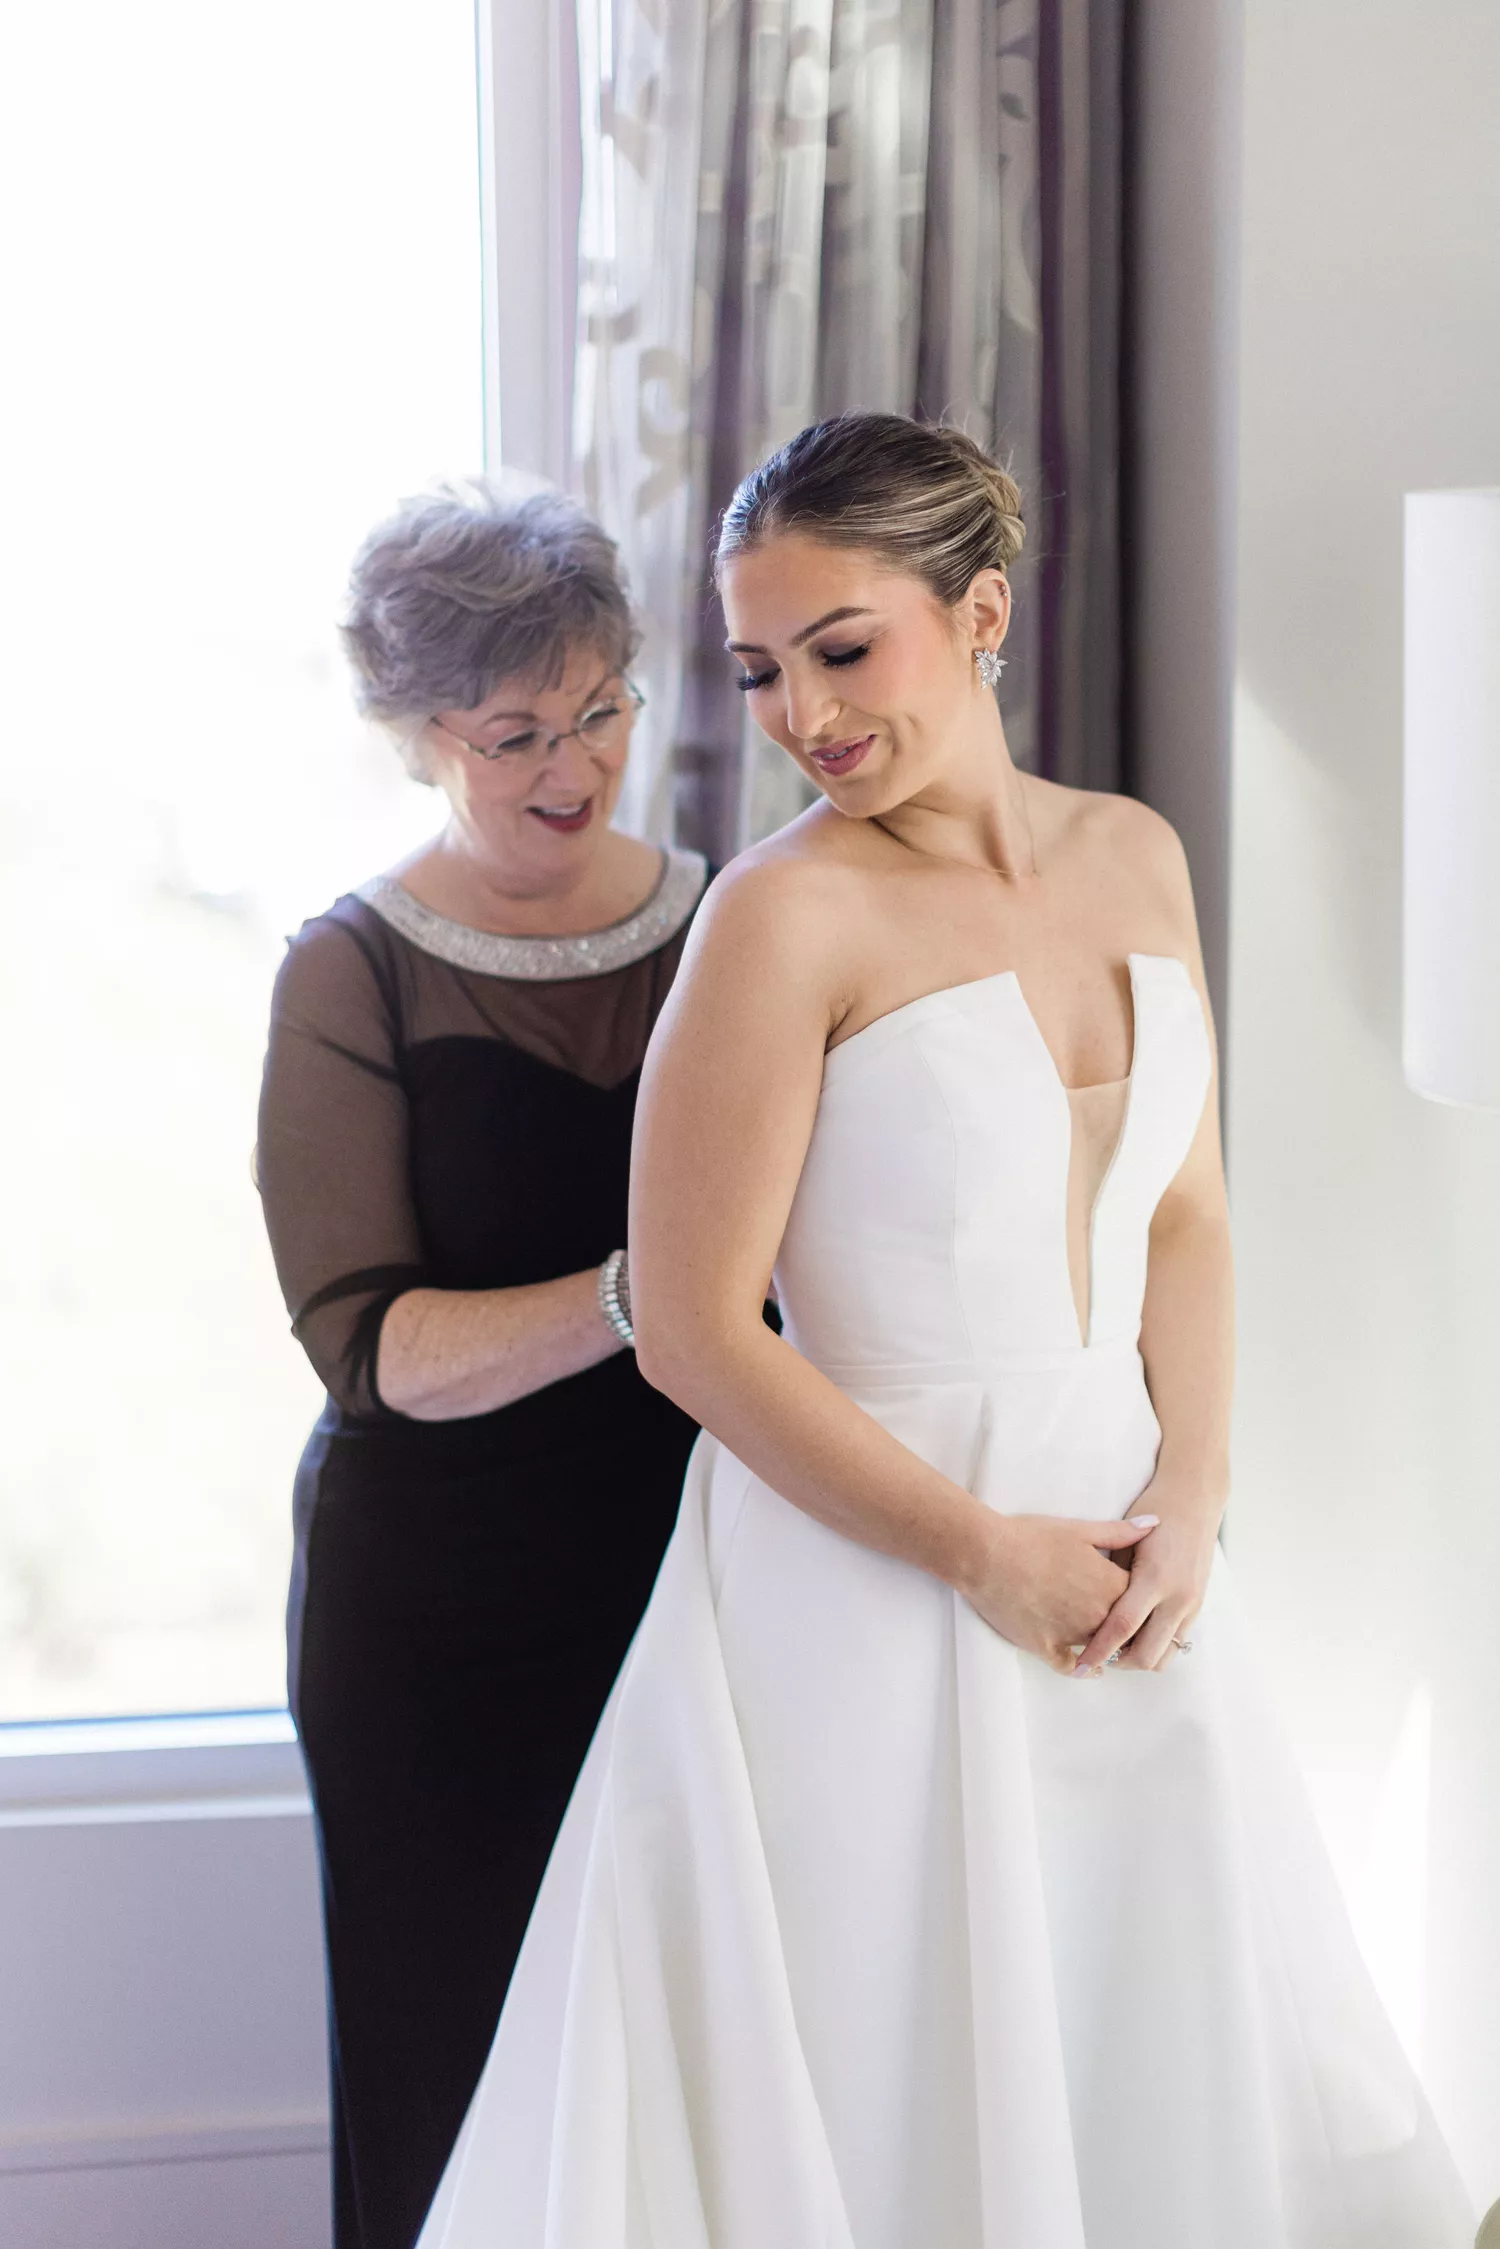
pixel 810 705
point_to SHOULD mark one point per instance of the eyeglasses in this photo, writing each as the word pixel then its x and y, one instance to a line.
pixel 605 726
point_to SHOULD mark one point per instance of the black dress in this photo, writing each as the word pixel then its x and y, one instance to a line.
pixel 448 1109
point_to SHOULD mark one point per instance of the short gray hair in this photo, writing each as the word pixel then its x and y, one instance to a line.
pixel 472 584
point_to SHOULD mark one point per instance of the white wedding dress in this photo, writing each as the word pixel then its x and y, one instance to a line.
pixel 864 1930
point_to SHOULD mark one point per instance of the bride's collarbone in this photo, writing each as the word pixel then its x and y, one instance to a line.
pixel 922 929
pixel 1079 998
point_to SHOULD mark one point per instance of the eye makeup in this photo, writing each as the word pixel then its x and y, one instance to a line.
pixel 837 659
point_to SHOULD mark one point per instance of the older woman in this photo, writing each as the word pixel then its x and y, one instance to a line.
pixel 444 1142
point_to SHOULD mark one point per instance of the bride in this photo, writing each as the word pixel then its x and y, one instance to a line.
pixel 938 1878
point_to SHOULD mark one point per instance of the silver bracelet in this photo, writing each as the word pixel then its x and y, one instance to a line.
pixel 614 1296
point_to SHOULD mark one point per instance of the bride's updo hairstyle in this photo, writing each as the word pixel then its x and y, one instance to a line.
pixel 926 499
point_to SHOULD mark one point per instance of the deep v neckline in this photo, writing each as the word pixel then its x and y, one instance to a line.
pixel 1084 1314
pixel 1096 1127
pixel 1030 1014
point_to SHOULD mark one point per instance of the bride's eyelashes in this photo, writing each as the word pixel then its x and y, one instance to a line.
pixel 837 659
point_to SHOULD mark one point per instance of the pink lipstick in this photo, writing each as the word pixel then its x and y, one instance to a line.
pixel 842 757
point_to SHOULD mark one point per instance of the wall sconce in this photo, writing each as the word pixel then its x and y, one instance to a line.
pixel 1451 1015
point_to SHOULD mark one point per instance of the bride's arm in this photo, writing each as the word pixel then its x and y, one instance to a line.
pixel 1187 1343
pixel 728 1098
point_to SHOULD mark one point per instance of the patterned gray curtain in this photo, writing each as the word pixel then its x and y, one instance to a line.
pixel 794 207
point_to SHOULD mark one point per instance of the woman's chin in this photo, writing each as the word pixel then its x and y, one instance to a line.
pixel 871 789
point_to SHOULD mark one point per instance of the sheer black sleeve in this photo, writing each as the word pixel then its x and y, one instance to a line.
pixel 333 1157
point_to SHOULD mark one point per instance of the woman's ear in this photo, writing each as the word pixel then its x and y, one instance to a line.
pixel 987 607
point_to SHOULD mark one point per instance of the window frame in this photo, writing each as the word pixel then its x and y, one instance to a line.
pixel 530 168
pixel 85 1772
pixel 246 1763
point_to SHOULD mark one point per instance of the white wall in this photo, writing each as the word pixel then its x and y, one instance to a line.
pixel 1366 1526
pixel 162 2073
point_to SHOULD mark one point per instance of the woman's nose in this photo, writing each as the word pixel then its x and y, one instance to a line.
pixel 572 762
pixel 810 704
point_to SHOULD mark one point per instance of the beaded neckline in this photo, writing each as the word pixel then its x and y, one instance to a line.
pixel 547 960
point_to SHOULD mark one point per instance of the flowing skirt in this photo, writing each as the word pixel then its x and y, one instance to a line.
pixel 866 1931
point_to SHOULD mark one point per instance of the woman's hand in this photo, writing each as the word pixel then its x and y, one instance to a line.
pixel 1046 1582
pixel 447 1353
pixel 1168 1579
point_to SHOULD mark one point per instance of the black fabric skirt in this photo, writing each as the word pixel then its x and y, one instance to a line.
pixel 453 1642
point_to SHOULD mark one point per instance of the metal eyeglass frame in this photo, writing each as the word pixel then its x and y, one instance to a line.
pixel 500 755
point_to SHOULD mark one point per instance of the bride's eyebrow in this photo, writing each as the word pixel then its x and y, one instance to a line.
pixel 834 617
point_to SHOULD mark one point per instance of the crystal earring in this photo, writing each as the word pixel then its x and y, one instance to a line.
pixel 991 664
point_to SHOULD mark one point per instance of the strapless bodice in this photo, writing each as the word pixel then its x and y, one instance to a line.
pixel 930 1225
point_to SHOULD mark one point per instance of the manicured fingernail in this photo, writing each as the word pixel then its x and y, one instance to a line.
pixel 1080 1671
pixel 1145 1522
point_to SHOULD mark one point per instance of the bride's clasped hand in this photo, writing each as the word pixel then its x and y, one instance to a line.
pixel 1169 1574
pixel 1049 1584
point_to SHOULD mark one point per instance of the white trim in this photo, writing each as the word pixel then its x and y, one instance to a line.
pixel 226 1765
pixel 147 1812
pixel 529 173
pixel 484 79
pixel 117 2146
pixel 171 1730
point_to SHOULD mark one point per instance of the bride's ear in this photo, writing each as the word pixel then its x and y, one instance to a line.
pixel 985 609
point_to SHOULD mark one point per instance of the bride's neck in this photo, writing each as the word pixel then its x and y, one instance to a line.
pixel 975 812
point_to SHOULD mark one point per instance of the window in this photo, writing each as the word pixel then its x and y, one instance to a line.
pixel 244 317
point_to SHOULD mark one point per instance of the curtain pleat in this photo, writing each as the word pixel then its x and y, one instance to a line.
pixel 981 345
pixel 796 207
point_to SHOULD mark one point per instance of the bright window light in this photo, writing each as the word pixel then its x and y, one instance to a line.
pixel 243 316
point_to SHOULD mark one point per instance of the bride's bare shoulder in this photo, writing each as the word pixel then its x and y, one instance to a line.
pixel 818 863
pixel 796 900
pixel 1129 836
